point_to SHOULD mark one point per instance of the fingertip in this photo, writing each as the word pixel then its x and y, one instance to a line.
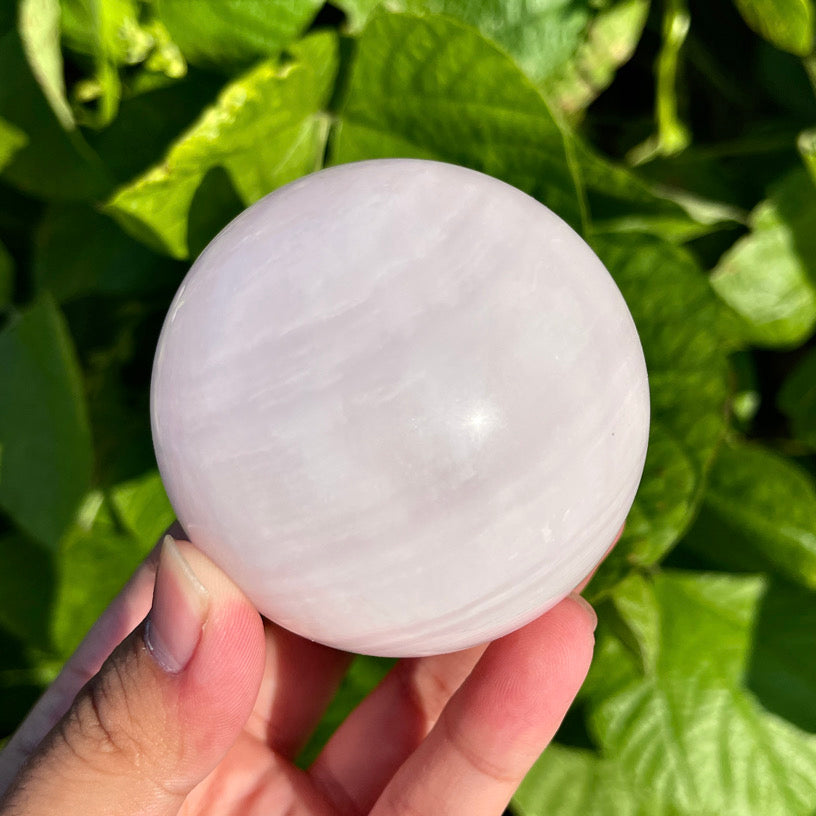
pixel 203 701
pixel 533 674
pixel 233 642
pixel 231 650
pixel 180 608
pixel 589 613
pixel 568 630
pixel 501 718
pixel 220 684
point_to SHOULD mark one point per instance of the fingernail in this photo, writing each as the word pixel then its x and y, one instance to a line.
pixel 587 607
pixel 180 605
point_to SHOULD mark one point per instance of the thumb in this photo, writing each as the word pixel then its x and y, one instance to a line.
pixel 164 708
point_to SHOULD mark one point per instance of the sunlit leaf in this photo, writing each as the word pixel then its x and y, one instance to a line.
pixel 769 276
pixel 39 25
pixel 541 35
pixel 807 147
pixel 11 140
pixel 788 24
pixel 429 87
pixel 686 736
pixel 93 562
pixel 573 782
pixel 234 32
pixel 109 32
pixel 265 129
pixel 609 41
pixel 54 161
pixel 143 507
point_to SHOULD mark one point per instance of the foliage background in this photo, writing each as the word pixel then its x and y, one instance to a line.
pixel 677 136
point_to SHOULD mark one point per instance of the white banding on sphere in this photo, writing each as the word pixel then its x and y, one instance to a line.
pixel 402 404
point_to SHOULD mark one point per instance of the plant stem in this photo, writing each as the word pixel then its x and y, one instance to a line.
pixel 672 135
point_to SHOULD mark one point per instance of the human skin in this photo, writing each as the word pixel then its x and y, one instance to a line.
pixel 207 716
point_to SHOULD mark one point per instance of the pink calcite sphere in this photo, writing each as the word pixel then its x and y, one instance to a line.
pixel 402 404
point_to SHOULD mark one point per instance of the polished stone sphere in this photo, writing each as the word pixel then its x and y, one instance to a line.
pixel 402 404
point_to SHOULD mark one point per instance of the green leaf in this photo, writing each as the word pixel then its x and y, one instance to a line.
pixel 738 172
pixel 759 510
pixel 620 201
pixel 123 49
pixel 214 204
pixel 541 35
pixel 797 398
pixel 788 24
pixel 26 590
pixel 265 130
pixel 430 87
pixel 6 278
pixel 50 599
pixel 357 12
pixel 150 122
pixel 53 162
pixel 687 737
pixel 616 659
pixel 45 445
pixel 110 33
pixel 118 340
pixel 569 47
pixel 782 668
pixel 164 64
pixel 769 276
pixel 609 42
pixel 807 149
pixel 94 560
pixel 11 140
pixel 39 26
pixel 111 27
pixel 637 606
pixel 234 32
pixel 116 34
pixel 142 506
pixel 105 261
pixel 572 782
pixel 685 339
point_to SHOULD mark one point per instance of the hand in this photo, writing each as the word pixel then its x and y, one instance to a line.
pixel 203 707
